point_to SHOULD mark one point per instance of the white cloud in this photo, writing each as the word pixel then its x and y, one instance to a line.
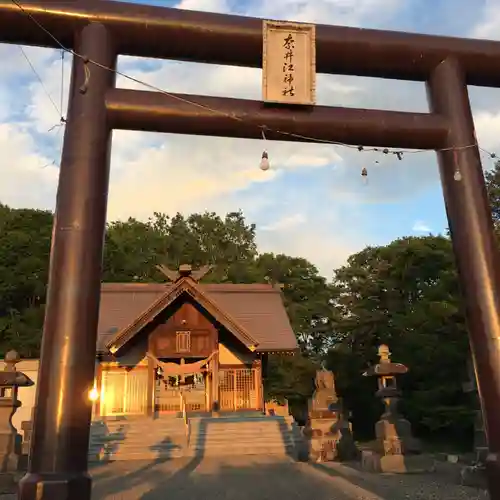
pixel 290 221
pixel 489 25
pixel 170 173
pixel 339 12
pixel 420 227
pixel 488 129
pixel 27 178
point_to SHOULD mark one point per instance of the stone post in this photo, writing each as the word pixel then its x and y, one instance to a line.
pixel 480 443
pixel 475 474
pixel 328 434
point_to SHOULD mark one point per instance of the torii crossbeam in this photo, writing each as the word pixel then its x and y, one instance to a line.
pixel 98 31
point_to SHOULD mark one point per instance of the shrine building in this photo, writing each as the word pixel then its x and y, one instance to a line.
pixel 204 346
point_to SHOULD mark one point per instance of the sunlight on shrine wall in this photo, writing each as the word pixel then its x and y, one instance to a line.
pixel 123 392
pixel 229 356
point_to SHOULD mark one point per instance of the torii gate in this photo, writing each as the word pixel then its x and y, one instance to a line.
pixel 99 30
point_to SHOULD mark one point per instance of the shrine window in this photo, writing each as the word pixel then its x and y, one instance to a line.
pixel 183 341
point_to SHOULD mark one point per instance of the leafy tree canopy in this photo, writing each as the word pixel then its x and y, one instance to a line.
pixel 406 295
pixel 493 186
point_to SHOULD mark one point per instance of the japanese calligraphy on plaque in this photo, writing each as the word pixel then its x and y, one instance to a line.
pixel 289 63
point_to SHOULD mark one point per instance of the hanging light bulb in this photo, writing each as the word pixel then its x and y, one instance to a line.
pixel 457 174
pixel 364 175
pixel 264 162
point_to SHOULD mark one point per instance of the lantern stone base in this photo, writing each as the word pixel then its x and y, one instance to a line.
pixel 329 439
pixel 474 476
pixel 394 436
pixel 10 440
pixel 372 461
pixel 8 482
pixel 9 456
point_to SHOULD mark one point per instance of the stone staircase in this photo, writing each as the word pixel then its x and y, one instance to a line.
pixel 137 438
pixel 165 438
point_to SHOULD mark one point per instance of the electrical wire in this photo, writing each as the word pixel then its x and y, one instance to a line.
pixel 263 128
pixel 23 52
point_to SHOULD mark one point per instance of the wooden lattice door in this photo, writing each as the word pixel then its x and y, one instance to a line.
pixel 237 390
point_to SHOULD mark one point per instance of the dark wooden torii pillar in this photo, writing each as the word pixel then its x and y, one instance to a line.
pixel 99 30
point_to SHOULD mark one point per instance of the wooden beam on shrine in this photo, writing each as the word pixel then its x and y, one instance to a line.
pixel 224 117
pixel 167 33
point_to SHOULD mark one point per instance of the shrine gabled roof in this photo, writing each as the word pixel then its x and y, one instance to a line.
pixel 255 313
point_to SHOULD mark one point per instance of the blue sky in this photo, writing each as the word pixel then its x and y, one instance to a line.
pixel 313 202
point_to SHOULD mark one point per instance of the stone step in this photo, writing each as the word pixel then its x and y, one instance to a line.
pixel 153 444
pixel 193 451
pixel 153 440
pixel 190 452
pixel 235 449
pixel 146 439
pixel 213 430
pixel 256 433
pixel 226 436
pixel 204 430
pixel 240 430
pixel 239 426
pixel 136 433
pixel 137 455
pixel 229 435
pixel 238 439
pixel 250 450
pixel 246 420
pixel 139 425
pixel 159 441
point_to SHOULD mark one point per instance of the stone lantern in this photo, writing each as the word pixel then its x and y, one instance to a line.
pixel 10 381
pixel 394 439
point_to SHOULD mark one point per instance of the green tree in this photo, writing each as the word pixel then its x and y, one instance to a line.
pixel 291 377
pixel 25 237
pixel 406 294
pixel 308 299
pixel 133 248
pixel 492 178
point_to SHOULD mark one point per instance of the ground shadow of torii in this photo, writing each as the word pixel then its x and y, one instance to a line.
pixel 248 478
pixel 198 448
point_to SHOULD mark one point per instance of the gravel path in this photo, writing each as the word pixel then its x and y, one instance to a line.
pixel 266 479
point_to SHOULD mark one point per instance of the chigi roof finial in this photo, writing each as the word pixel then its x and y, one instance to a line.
pixel 184 271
